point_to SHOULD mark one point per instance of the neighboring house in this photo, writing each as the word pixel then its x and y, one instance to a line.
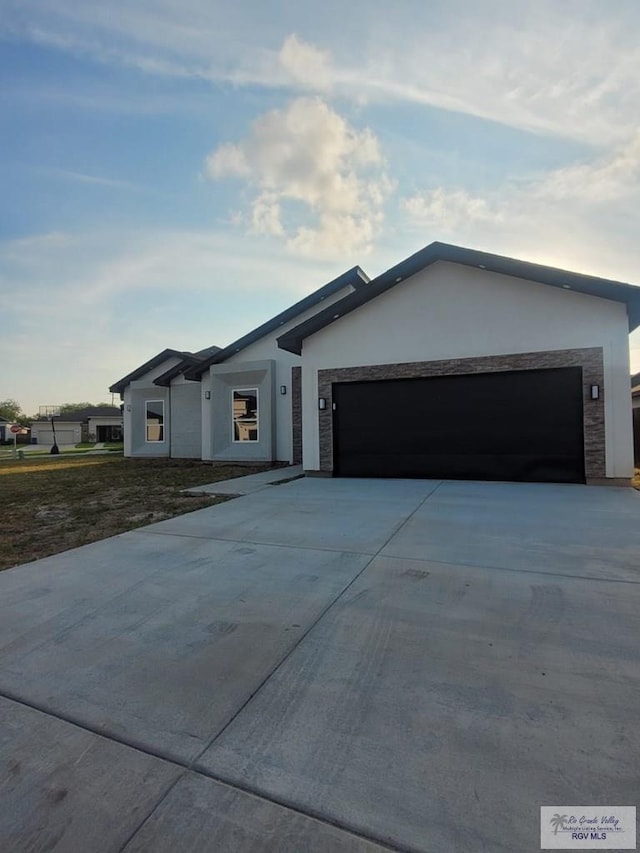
pixel 452 364
pixel 97 423
pixel 5 429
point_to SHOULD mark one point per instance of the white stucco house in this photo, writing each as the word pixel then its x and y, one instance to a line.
pixel 196 405
pixel 454 363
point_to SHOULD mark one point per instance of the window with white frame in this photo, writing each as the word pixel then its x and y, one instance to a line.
pixel 154 420
pixel 244 402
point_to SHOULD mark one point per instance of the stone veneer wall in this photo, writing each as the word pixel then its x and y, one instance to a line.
pixel 590 360
pixel 296 414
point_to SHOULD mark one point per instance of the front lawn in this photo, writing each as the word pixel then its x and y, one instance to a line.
pixel 50 504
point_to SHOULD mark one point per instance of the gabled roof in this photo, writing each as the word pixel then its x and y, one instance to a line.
pixel 119 386
pixel 355 277
pixel 604 288
pixel 188 362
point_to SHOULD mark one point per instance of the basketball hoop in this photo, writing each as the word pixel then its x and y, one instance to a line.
pixel 49 412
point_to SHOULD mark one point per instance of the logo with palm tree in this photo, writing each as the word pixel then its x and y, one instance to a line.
pixel 557 822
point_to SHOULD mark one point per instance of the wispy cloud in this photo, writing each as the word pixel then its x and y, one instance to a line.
pixel 97 180
pixel 579 216
pixel 109 301
pixel 569 69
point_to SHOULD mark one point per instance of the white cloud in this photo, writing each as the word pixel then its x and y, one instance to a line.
pixel 306 63
pixel 609 178
pixel 228 160
pixel 448 210
pixel 308 160
pixel 266 215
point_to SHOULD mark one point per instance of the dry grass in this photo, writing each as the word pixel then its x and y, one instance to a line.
pixel 52 504
pixel 636 479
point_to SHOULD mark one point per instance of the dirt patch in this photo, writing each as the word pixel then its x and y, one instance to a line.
pixel 53 504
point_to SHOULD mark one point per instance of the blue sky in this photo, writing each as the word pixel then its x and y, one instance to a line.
pixel 174 173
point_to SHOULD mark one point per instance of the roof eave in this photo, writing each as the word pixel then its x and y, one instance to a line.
pixel 356 277
pixel 621 292
pixel 119 386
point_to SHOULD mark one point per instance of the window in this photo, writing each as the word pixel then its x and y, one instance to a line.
pixel 245 414
pixel 155 420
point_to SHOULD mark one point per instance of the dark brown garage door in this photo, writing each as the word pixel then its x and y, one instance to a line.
pixel 520 425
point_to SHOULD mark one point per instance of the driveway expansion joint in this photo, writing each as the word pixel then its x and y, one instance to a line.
pixel 331 604
pixel 187 767
pixel 246 541
pixel 484 567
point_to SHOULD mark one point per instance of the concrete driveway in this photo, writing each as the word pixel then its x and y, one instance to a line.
pixel 326 665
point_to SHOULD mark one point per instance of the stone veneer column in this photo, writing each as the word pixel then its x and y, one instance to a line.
pixel 296 414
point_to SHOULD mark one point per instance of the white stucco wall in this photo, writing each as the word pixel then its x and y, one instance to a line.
pixel 186 420
pixel 264 349
pixel 135 395
pixel 453 311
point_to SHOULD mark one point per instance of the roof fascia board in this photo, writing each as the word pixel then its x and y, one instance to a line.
pixel 121 384
pixel 590 285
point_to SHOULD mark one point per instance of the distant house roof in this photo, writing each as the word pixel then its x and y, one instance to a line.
pixel 83 415
pixel 604 288
pixel 355 277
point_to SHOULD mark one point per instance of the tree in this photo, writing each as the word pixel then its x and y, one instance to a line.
pixel 10 410
pixel 78 407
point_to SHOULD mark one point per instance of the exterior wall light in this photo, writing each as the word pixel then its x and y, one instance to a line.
pixel 322 403
pixel 128 407
pixel 283 390
pixel 207 395
pixel 595 392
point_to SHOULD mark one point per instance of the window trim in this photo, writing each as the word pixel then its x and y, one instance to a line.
pixel 148 440
pixel 233 420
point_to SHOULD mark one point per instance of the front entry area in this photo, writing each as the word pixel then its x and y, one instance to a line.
pixel 524 425
pixel 108 432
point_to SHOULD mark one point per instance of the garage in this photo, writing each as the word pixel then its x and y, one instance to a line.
pixel 524 425
pixel 63 436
